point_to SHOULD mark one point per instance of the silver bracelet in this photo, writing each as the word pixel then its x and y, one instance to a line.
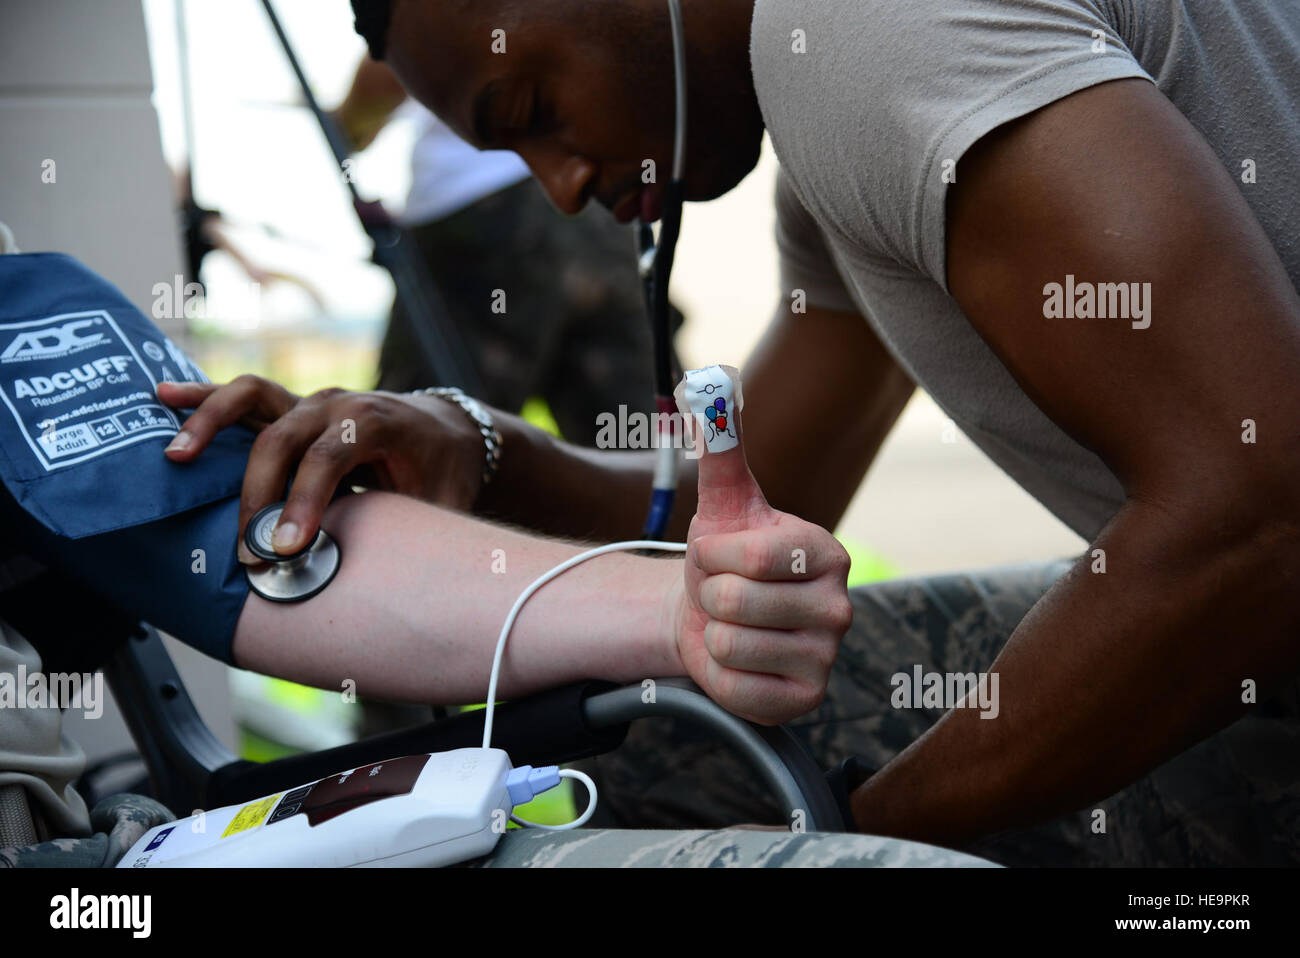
pixel 481 418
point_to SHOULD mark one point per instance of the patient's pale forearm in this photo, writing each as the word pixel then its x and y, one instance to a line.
pixel 417 606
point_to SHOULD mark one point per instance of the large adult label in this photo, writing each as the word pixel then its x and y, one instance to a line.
pixel 78 389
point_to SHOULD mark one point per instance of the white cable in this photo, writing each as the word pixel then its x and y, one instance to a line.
pixel 540 581
pixel 577 822
pixel 679 75
pixel 524 596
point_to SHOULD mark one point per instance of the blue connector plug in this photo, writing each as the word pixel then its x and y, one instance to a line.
pixel 525 782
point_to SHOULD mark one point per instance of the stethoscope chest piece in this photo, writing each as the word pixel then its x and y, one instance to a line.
pixel 288 578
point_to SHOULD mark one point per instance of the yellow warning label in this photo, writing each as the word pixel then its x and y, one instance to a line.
pixel 250 816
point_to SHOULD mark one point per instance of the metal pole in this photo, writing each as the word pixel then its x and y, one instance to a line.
pixel 394 250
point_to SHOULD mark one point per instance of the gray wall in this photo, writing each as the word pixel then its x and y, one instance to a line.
pixel 75 88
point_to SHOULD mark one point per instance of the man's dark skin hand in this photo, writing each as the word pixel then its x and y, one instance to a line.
pixel 1110 674
pixel 305 436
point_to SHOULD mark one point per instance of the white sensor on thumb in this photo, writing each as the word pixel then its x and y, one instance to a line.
pixel 712 399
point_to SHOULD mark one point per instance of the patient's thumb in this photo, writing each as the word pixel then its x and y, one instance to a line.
pixel 711 397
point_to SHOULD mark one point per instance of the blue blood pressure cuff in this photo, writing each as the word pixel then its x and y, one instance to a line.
pixel 82 434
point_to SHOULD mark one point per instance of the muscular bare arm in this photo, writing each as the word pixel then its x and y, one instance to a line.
pixel 822 360
pixel 1111 674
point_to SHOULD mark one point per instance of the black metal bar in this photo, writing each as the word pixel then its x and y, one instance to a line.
pixel 545 729
pixel 179 750
pixel 773 752
pixel 394 250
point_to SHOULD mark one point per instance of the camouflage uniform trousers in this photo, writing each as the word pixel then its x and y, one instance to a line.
pixel 117 822
pixel 1233 799
pixel 574 329
pixel 726 848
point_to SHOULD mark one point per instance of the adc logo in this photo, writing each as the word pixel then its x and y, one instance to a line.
pixel 57 340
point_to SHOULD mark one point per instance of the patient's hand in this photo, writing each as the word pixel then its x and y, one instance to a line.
pixel 766 598
pixel 419 446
